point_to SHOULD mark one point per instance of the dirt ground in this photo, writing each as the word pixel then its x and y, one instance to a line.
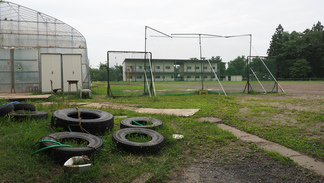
pixel 290 88
pixel 246 163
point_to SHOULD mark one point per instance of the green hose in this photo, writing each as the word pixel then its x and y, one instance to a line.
pixel 48 141
pixel 59 145
pixel 137 123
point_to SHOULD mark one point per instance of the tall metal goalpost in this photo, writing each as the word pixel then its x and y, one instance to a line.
pixel 200 36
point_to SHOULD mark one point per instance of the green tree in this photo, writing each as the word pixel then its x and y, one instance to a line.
pixel 300 68
pixel 236 66
pixel 276 43
pixel 276 48
pixel 318 27
pixel 314 49
pixel 292 47
pixel 115 73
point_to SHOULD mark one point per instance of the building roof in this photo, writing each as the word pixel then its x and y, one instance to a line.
pixel 176 61
pixel 23 27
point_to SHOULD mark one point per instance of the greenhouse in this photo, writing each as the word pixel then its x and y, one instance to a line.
pixel 37 49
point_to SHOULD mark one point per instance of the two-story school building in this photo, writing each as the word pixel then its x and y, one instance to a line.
pixel 170 70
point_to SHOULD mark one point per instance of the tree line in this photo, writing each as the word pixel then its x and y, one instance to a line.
pixel 298 55
pixel 100 74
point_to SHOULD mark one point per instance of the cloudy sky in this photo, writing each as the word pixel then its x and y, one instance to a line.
pixel 120 24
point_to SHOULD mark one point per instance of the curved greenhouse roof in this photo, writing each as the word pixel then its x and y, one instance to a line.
pixel 23 27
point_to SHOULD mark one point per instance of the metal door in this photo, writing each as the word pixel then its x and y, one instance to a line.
pixel 5 71
pixel 71 70
pixel 51 70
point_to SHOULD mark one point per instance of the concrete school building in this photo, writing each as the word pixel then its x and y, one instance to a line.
pixel 173 70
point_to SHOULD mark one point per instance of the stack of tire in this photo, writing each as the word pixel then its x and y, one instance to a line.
pixel 81 124
pixel 139 126
pixel 6 108
pixel 21 114
pixel 22 111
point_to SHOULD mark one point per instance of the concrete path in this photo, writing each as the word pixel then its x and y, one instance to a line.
pixel 299 158
pixel 22 96
pixel 177 112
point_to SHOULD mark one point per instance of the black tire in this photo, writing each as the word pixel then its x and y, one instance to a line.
pixel 128 123
pixel 24 106
pixel 5 109
pixel 21 115
pixel 157 142
pixel 93 121
pixel 62 154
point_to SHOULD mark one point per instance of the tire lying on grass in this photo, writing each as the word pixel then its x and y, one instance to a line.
pixel 22 114
pixel 145 122
pixel 154 145
pixel 6 108
pixel 24 106
pixel 92 120
pixel 61 154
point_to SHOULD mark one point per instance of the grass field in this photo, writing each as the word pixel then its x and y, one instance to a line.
pixel 294 120
pixel 184 87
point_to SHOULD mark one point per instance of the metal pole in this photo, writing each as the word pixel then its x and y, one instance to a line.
pixel 248 74
pixel 108 88
pixel 247 64
pixel 152 76
pixel 150 60
pixel 273 76
pixel 258 81
pixel 201 65
pixel 145 58
pixel 216 77
pixel 250 44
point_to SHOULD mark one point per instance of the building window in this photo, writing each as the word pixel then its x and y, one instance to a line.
pixel 157 67
pixel 188 77
pixel 197 68
pixel 205 77
pixel 147 67
pixel 213 76
pixel 138 77
pixel 171 77
pixel 214 68
pixel 189 67
pixel 157 77
pixel 197 77
pixel 167 67
pixel 139 67
pixel 130 77
pixel 205 68
pixel 130 68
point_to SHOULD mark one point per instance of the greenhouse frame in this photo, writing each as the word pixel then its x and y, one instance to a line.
pixel 36 49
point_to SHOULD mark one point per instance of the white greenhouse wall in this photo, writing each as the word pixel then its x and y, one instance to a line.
pixel 23 43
